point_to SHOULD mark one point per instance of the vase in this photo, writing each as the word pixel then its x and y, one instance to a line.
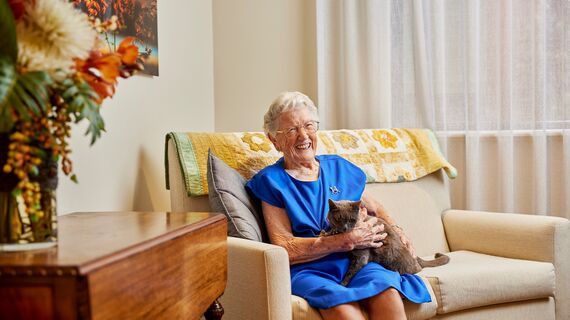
pixel 20 230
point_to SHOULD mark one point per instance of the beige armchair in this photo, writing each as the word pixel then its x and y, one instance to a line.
pixel 503 266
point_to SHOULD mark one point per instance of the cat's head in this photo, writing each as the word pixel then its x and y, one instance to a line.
pixel 343 214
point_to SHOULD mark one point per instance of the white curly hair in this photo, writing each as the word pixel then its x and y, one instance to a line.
pixel 284 102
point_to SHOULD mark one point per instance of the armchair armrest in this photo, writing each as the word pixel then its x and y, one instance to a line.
pixel 517 236
pixel 510 235
pixel 259 282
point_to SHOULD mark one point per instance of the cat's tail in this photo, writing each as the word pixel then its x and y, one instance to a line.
pixel 440 260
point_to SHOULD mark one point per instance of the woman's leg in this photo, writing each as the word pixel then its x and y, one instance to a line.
pixel 385 305
pixel 345 311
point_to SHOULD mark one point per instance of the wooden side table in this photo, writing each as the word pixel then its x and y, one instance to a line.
pixel 120 265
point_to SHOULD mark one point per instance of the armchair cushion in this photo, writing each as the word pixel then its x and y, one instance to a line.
pixel 472 280
pixel 227 195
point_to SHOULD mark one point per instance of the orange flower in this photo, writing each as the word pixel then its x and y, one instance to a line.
pixel 128 51
pixel 101 72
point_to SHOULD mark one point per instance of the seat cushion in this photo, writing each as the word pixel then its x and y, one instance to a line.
pixel 303 311
pixel 472 280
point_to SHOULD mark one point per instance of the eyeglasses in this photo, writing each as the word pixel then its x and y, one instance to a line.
pixel 310 127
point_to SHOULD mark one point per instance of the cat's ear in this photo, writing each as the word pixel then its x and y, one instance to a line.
pixel 332 205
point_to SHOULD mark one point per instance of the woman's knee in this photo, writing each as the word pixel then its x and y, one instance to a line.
pixel 385 305
pixel 391 294
pixel 343 311
pixel 387 299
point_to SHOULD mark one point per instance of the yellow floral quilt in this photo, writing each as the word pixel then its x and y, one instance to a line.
pixel 385 155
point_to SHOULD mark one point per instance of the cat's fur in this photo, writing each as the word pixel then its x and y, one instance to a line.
pixel 343 216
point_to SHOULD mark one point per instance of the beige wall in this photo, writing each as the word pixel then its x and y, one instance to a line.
pixel 261 48
pixel 125 169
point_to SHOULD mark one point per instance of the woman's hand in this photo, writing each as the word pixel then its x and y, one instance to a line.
pixel 367 233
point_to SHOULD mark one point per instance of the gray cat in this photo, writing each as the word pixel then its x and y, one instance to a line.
pixel 343 216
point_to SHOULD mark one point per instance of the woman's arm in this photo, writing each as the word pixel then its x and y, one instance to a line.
pixel 364 235
pixel 377 209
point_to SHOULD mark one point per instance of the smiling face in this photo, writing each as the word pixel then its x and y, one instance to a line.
pixel 300 147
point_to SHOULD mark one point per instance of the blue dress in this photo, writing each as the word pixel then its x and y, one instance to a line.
pixel 306 205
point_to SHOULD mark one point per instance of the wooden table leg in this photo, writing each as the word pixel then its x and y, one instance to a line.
pixel 215 311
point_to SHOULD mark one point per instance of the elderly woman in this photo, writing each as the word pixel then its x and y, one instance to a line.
pixel 294 193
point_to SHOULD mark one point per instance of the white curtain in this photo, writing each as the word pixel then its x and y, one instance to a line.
pixel 492 78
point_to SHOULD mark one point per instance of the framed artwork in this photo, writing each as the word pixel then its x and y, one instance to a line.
pixel 129 18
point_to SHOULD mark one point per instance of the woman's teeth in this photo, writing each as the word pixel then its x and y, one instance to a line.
pixel 304 146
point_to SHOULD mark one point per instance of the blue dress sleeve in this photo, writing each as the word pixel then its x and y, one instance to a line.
pixel 348 178
pixel 355 176
pixel 266 187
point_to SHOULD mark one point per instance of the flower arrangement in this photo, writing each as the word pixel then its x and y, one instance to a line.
pixel 54 71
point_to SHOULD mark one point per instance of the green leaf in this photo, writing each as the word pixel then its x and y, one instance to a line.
pixel 68 82
pixel 21 95
pixel 18 106
pixel 96 123
pixel 28 95
pixel 6 119
pixel 8 78
pixel 37 83
pixel 74 178
pixel 77 103
pixel 70 92
pixel 36 87
pixel 26 99
pixel 8 44
pixel 81 101
pixel 92 94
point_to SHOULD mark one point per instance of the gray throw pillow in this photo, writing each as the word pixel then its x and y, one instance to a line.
pixel 227 194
